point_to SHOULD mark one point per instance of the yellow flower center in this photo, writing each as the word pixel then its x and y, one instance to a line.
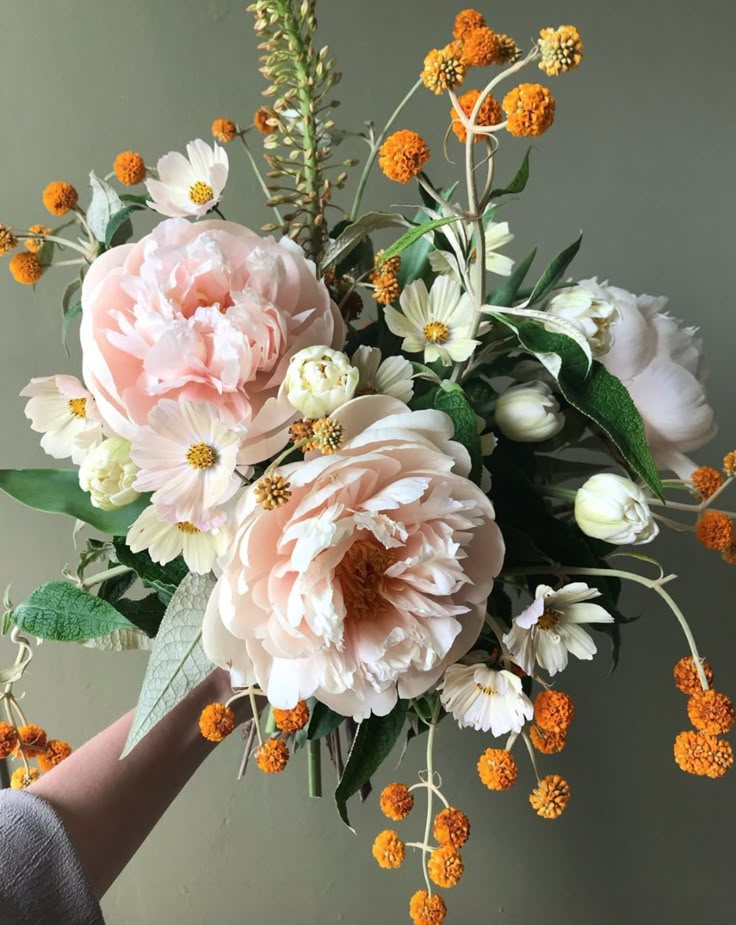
pixel 548 620
pixel 487 691
pixel 186 527
pixel 201 193
pixel 201 456
pixel 361 574
pixel 436 332
pixel 78 407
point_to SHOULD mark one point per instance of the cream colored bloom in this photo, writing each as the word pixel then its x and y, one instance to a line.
pixel 485 699
pixel 613 508
pixel 594 317
pixel 529 412
pixel 497 236
pixel 392 376
pixel 108 473
pixel 319 380
pixel 438 322
pixel 61 409
pixel 190 185
pixel 158 531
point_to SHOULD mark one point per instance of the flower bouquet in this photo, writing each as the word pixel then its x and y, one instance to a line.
pixel 383 486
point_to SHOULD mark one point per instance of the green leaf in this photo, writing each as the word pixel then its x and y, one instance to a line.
pixel 60 610
pixel 145 613
pixel 555 271
pixel 536 340
pixel 481 395
pixel 451 399
pixel 116 223
pixel 339 248
pixel 141 199
pixel 113 589
pixel 67 319
pixel 177 663
pixel 372 744
pixel 322 721
pixel 57 491
pixel 124 640
pixel 414 234
pixel 518 184
pixel 164 579
pixel 507 291
pixel 104 204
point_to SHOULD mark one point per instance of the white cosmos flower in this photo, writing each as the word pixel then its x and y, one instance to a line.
pixel 165 538
pixel 391 377
pixel 550 627
pixel 497 236
pixel 438 322
pixel 485 699
pixel 189 185
pixel 63 411
pixel 187 457
pixel 594 317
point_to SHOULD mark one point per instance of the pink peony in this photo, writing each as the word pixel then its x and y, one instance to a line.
pixel 208 312
pixel 371 580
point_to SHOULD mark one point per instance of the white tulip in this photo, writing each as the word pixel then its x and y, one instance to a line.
pixel 107 473
pixel 592 316
pixel 613 508
pixel 529 412
pixel 319 380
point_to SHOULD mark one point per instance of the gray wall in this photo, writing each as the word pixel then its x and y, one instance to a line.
pixel 641 157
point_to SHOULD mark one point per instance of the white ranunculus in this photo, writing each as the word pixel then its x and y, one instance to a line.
pixel 592 316
pixel 319 380
pixel 107 473
pixel 613 508
pixel 529 412
pixel 661 364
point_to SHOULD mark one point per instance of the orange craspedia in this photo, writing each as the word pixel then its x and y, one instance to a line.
pixel 427 910
pixel 33 740
pixel 216 722
pixel 489 113
pixel 25 268
pixel 56 752
pixel 273 756
pixel 8 739
pixel 445 867
pixel 130 168
pixel 480 47
pixel 35 243
pixel 706 481
pixel 711 712
pixel 553 711
pixel 548 743
pixel 451 827
pixel 561 50
pixel 388 850
pixel 8 239
pixel 261 119
pixel 22 778
pixel 530 109
pixel 551 797
pixel 396 802
pixel 224 130
pixel 729 464
pixel 702 755
pixel 402 155
pixel 497 769
pixel 60 197
pixel 466 21
pixel 686 675
pixel 292 720
pixel 444 68
pixel 714 530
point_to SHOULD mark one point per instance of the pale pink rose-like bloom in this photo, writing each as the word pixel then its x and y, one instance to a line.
pixel 661 364
pixel 61 409
pixel 371 580
pixel 207 312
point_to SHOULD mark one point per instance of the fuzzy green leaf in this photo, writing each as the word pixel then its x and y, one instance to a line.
pixel 62 611
pixel 116 222
pixel 451 399
pixel 350 237
pixel 163 579
pixel 555 271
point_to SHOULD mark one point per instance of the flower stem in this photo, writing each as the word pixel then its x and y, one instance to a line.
pixel 259 176
pixel 430 791
pixel 314 753
pixel 103 576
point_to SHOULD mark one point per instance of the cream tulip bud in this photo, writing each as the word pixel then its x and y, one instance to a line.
pixel 592 316
pixel 529 412
pixel 107 473
pixel 319 380
pixel 613 508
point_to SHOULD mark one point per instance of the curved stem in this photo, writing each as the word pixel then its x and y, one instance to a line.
pixel 532 756
pixel 430 790
pixel 259 176
pixel 103 576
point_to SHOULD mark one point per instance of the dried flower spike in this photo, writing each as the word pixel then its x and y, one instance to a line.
pixel 25 268
pixel 715 530
pixel 130 168
pixel 224 130
pixel 60 197
pixel 561 50
pixel 402 155
pixel 272 491
pixel 551 797
pixel 388 850
pixel 451 827
pixel 216 722
pixel 427 910
pixel 497 769
pixel 292 720
pixel 396 802
pixel 273 756
pixel 530 109
pixel 686 675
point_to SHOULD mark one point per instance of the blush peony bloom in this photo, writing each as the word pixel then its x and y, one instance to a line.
pixel 208 312
pixel 371 579
pixel 661 364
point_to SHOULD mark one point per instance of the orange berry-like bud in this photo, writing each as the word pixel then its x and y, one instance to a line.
pixel 553 711
pixel 530 109
pixel 130 168
pixel 21 778
pixel 686 676
pixel 715 530
pixel 273 756
pixel 551 797
pixel 8 739
pixel 25 268
pixel 261 119
pixel 711 712
pixel 388 849
pixel 35 243
pixel 427 910
pixel 466 21
pixel 60 197
pixel 56 752
pixel 706 481
pixel 216 722
pixel 451 827
pixel 396 802
pixel 292 720
pixel 33 740
pixel 402 155
pixel 702 755
pixel 548 743
pixel 497 769
pixel 445 867
pixel 224 130
pixel 480 47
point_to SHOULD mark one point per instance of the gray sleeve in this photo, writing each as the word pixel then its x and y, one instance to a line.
pixel 41 879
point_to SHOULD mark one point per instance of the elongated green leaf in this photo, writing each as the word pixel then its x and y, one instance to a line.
pixel 57 491
pixel 414 234
pixel 141 199
pixel 350 237
pixel 451 399
pixel 555 271
pixel 69 316
pixel 177 663
pixel 60 610
pixel 535 339
pixel 104 204
pixel 372 744
pixel 145 613
pixel 164 579
pixel 508 290
pixel 117 221
pixel 322 721
pixel 518 184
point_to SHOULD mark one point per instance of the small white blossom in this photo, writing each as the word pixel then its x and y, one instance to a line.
pixel 485 699
pixel 108 473
pixel 392 376
pixel 158 531
pixel 497 235
pixel 613 508
pixel 61 409
pixel 594 317
pixel 190 185
pixel 319 380
pixel 529 412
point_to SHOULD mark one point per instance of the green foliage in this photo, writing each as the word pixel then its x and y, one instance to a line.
pixel 555 271
pixel 372 744
pixel 518 184
pixel 414 234
pixel 508 290
pixel 350 236
pixel 145 613
pixel 322 721
pixel 74 311
pixel 57 491
pixel 62 611
pixel 451 399
pixel 118 229
pixel 163 579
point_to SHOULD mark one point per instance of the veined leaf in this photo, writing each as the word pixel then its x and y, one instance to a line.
pixel 554 272
pixel 177 663
pixel 105 203
pixel 145 613
pixel 164 579
pixel 348 239
pixel 62 611
pixel 123 640
pixel 518 184
pixel 117 221
pixel 322 721
pixel 451 399
pixel 414 234
pixel 567 351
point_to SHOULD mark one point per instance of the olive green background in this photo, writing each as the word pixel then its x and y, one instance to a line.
pixel 641 158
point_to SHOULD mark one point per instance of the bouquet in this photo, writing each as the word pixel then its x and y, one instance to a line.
pixel 378 470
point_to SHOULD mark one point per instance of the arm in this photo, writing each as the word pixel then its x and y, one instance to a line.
pixel 109 806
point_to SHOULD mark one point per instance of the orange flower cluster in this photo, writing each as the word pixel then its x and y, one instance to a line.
pixel 216 722
pixel 31 741
pixel 22 778
pixel 551 796
pixel 561 50
pixel 389 850
pixel 497 769
pixel 715 531
pixel 445 867
pixel 553 711
pixel 130 168
pixel 729 464
pixel 35 243
pixel 703 755
pixel 396 802
pixel 8 240
pixel 712 713
pixel 489 113
pixel 385 279
pixel 686 676
pixel 25 743
pixel 26 268
pixel 224 130
pixel 451 827
pixel 261 120
pixel 402 155
pixel 444 68
pixel 530 110
pixel 292 720
pixel 60 197
pixel 706 481
pixel 273 756
pixel 427 910
pixel 56 751
pixel 272 491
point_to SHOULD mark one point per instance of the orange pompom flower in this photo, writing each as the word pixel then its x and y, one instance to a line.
pixel 60 197
pixel 497 769
pixel 480 47
pixel 530 109
pixel 729 464
pixel 8 739
pixel 444 68
pixel 389 850
pixel 706 481
pixel 130 168
pixel 427 910
pixel 686 676
pixel 466 21
pixel 216 722
pixel 396 802
pixel 261 120
pixel 35 243
pixel 714 530
pixel 445 867
pixel 451 827
pixel 489 113
pixel 56 752
pixel 402 155
pixel 551 797
pixel 508 51
pixel 8 240
pixel 292 720
pixel 33 740
pixel 553 711
pixel 711 712
pixel 22 778
pixel 702 755
pixel 561 50
pixel 548 743
pixel 273 756
pixel 224 130
pixel 25 268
